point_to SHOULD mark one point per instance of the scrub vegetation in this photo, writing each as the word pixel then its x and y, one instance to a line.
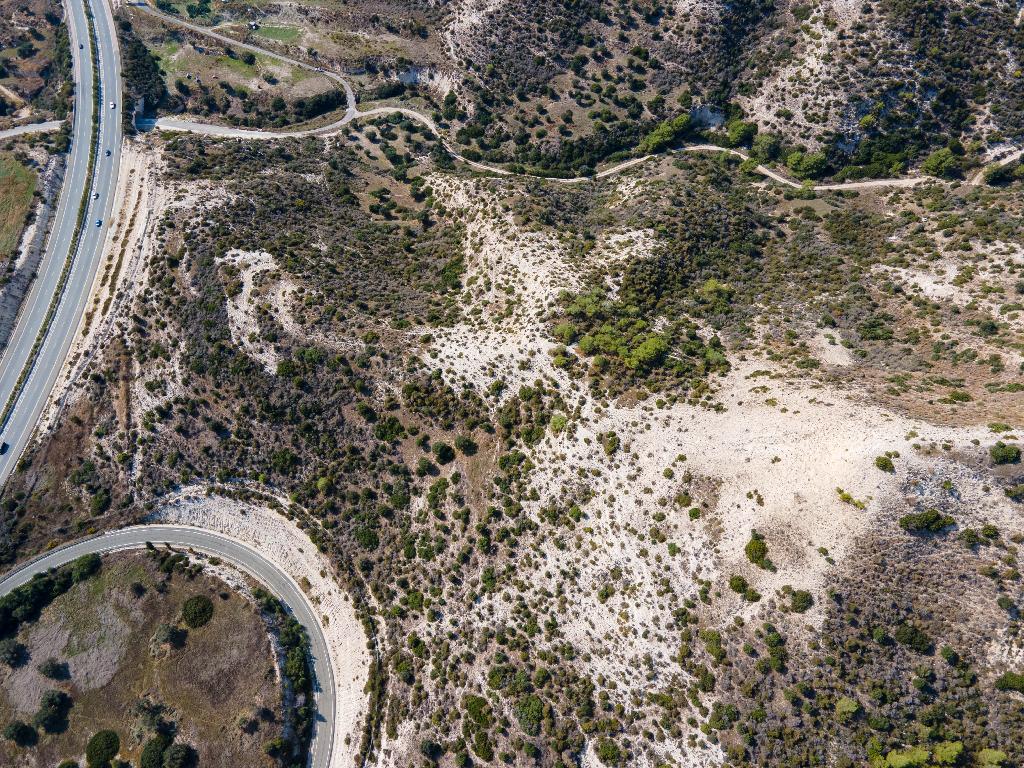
pixel 676 467
pixel 140 657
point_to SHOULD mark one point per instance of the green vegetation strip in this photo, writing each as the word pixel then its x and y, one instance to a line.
pixel 83 207
pixel 18 184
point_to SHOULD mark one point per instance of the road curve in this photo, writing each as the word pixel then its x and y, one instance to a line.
pixel 350 96
pixel 28 371
pixel 352 113
pixel 979 177
pixel 241 556
pixel 21 130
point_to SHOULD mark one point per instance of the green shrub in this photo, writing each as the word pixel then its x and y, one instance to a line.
pixel 929 521
pixel 801 601
pixel 942 163
pixel 466 445
pixel 153 752
pixel 1011 681
pixel 431 750
pixel 970 537
pixel 180 756
pixel 885 464
pixel 53 669
pixel 911 757
pixel 12 653
pixel 1001 453
pixel 389 429
pixel 757 550
pixel 84 567
pixel 608 752
pixel 197 611
pixel 102 748
pixel 22 734
pixel 664 135
pixel 808 165
pixel 997 175
pixel 53 711
pixel 444 453
pixel 948 753
pixel 765 147
pixel 738 584
pixel 914 638
pixel 722 716
pixel 847 709
pixel 991 758
pixel 482 747
pixel 529 711
pixel 740 133
pixel 477 710
pixel 876 328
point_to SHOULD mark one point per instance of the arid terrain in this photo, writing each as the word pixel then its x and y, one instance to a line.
pixel 120 650
pixel 622 385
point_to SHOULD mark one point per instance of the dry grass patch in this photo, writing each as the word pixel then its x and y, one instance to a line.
pixel 217 683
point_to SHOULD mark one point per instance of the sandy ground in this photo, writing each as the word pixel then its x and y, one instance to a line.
pixel 253 267
pixel 510 273
pixel 772 457
pixel 138 200
pixel 827 348
pixel 142 200
pixel 980 280
pixel 281 541
pixel 465 15
pixel 805 85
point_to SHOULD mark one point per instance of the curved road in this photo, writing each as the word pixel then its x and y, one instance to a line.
pixel 352 113
pixel 241 556
pixel 41 362
pixel 1016 154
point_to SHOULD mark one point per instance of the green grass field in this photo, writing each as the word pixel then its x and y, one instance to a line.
pixel 281 34
pixel 17 183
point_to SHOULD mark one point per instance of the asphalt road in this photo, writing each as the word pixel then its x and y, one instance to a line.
pixel 353 113
pixel 45 365
pixel 22 130
pixel 241 556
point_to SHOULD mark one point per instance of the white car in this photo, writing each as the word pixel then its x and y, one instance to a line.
pixel 112 105
pixel 95 195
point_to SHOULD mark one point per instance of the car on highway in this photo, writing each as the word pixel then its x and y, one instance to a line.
pixel 107 153
pixel 112 105
pixel 95 195
pixel 99 222
pixel 80 46
pixel 3 448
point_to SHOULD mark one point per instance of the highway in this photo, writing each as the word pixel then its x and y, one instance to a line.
pixel 39 348
pixel 241 556
pixel 44 364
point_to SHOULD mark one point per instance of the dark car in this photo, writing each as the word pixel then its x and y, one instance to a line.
pixel 3 448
